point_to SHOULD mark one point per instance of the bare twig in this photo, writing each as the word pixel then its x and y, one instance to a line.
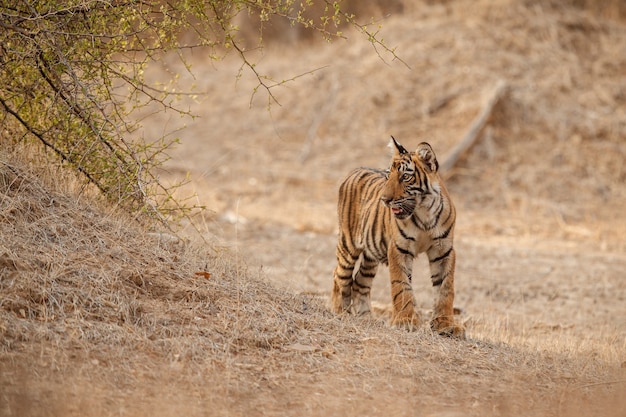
pixel 48 144
pixel 594 384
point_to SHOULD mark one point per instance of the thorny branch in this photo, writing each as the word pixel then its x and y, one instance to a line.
pixel 62 67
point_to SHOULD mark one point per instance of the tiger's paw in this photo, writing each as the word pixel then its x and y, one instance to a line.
pixel 409 323
pixel 339 307
pixel 361 304
pixel 445 327
pixel 338 302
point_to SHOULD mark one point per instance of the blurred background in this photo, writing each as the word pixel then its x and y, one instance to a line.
pixel 546 171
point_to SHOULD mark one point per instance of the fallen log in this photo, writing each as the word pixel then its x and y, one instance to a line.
pixel 475 129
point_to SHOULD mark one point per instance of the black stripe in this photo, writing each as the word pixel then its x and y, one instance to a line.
pixel 439 211
pixel 345 260
pixel 370 240
pixel 367 259
pixel 404 251
pixel 417 222
pixel 345 246
pixel 426 184
pixel 432 204
pixel 439 258
pixel 378 231
pixel 399 293
pixel 344 269
pixel 382 248
pixel 358 284
pixel 404 235
pixel 408 272
pixel 450 211
pixel 407 304
pixel 342 275
pixel 444 234
pixel 368 274
pixel 427 226
pixel 367 262
pixel 342 278
pixel 437 282
pixel 406 285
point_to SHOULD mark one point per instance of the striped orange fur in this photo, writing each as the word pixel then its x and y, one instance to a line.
pixel 390 217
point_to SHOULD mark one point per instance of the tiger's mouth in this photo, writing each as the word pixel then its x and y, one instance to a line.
pixel 400 212
pixel 401 208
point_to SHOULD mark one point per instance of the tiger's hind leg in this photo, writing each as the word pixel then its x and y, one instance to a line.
pixel 362 285
pixel 341 296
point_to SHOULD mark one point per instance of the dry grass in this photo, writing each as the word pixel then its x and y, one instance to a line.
pixel 99 316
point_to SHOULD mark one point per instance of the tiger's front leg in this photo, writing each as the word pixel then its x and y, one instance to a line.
pixel 403 300
pixel 442 261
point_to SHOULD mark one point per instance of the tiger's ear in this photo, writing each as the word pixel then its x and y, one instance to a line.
pixel 396 147
pixel 427 156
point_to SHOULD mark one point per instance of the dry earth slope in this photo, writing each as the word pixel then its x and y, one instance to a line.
pixel 100 318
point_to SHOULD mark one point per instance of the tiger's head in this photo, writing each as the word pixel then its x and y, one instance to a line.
pixel 412 180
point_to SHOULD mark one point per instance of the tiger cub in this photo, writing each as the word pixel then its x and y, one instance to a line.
pixel 390 217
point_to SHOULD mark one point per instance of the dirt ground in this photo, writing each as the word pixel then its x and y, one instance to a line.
pixel 540 237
